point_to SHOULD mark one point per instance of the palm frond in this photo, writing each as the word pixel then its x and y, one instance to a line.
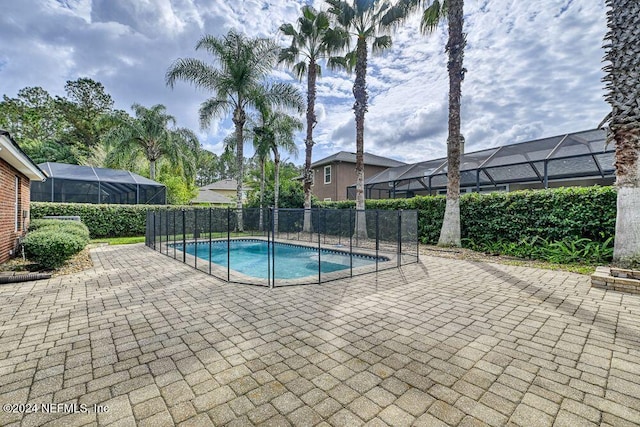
pixel 213 107
pixel 381 43
pixel 433 15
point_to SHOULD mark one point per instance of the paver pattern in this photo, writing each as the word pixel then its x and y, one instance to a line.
pixel 442 342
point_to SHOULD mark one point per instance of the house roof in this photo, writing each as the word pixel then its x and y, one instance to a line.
pixel 13 154
pixel 347 157
pixel 210 196
pixel 223 184
pixel 90 173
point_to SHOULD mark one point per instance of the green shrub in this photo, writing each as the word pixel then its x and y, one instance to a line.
pixel 51 247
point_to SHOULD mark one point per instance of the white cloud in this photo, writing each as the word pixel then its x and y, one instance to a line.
pixel 534 68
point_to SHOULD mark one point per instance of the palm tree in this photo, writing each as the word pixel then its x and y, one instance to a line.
pixel 312 40
pixel 370 21
pixel 149 135
pixel 242 66
pixel 623 53
pixel 275 132
pixel 452 10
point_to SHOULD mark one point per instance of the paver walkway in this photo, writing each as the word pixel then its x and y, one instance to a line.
pixel 443 342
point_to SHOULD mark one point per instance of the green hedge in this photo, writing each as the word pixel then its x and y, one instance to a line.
pixel 560 214
pixel 52 242
pixel 102 220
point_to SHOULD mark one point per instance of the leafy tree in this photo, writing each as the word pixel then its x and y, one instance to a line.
pixel 84 109
pixel 370 22
pixel 311 40
pixel 241 67
pixel 149 135
pixel 622 43
pixel 291 191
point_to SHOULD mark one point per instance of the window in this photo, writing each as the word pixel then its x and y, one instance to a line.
pixel 327 174
pixel 17 203
pixel 327 199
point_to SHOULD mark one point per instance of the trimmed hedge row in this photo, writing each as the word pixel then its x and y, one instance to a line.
pixel 560 214
pixel 102 220
pixel 52 242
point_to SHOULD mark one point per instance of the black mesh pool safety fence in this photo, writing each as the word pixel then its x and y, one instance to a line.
pixel 269 247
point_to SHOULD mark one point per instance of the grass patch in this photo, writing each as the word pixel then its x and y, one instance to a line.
pixel 119 240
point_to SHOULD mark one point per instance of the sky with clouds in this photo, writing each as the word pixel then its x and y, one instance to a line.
pixel 534 67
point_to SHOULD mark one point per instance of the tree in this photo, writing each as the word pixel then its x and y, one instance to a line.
pixel 275 133
pixel 622 43
pixel 291 194
pixel 149 135
pixel 242 66
pixel 312 40
pixel 84 109
pixel 370 21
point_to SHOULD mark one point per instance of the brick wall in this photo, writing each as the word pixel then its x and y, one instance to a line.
pixel 8 234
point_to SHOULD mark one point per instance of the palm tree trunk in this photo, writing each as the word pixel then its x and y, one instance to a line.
pixel 450 232
pixel 152 169
pixel 262 179
pixel 623 53
pixel 311 122
pixel 239 119
pixel 276 188
pixel 360 108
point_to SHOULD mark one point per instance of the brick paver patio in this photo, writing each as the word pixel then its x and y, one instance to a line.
pixel 443 342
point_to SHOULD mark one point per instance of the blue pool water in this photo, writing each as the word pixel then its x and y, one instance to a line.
pixel 291 261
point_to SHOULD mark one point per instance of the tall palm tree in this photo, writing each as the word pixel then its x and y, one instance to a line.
pixel 312 40
pixel 452 10
pixel 241 66
pixel 623 53
pixel 370 22
pixel 149 134
pixel 275 133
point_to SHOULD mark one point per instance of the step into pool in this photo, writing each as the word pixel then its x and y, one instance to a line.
pixel 251 257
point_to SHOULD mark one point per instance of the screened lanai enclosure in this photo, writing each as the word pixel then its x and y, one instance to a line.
pixel 581 158
pixel 88 184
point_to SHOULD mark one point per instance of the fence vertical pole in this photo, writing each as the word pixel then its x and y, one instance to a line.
pixel 160 229
pixel 195 238
pixel 167 240
pixel 174 234
pixel 319 255
pixel 399 238
pixel 377 236
pixel 228 244
pixel 210 233
pixel 269 238
pixel 350 243
pixel 273 246
pixel 154 231
pixel 417 237
pixel 184 236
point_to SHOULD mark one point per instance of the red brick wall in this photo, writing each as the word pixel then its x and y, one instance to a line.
pixel 8 234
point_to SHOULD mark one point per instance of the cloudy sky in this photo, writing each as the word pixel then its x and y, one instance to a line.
pixel 534 67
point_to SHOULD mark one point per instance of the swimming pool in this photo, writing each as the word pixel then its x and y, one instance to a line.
pixel 251 257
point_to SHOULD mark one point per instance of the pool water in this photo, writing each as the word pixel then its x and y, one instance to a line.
pixel 250 257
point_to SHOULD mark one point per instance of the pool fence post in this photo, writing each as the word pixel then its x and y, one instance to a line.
pixel 210 233
pixel 167 222
pixel 417 237
pixel 269 281
pixel 350 242
pixel 195 238
pixel 273 247
pixel 319 255
pixel 160 230
pixel 377 236
pixel 154 230
pixel 228 244
pixel 184 235
pixel 399 238
pixel 174 233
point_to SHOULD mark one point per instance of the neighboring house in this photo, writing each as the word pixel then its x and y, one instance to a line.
pixel 221 193
pixel 573 159
pixel 332 175
pixel 17 171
